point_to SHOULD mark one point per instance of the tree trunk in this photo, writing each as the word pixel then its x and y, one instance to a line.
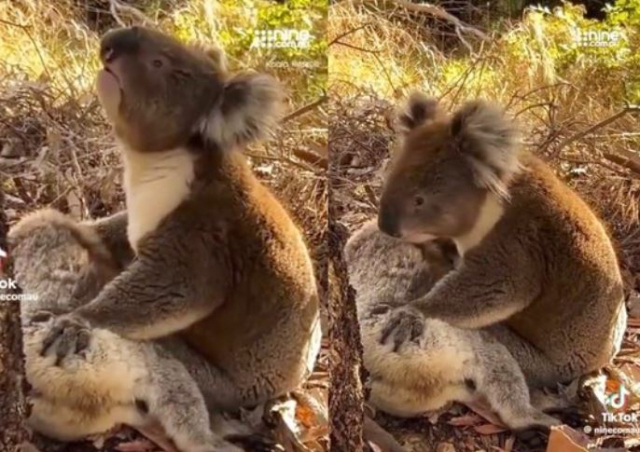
pixel 346 408
pixel 12 383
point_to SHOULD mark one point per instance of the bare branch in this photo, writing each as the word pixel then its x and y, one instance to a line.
pixel 306 109
pixel 597 126
pixel 116 6
pixel 440 13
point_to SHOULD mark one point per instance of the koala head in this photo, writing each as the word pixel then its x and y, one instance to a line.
pixel 446 167
pixel 159 93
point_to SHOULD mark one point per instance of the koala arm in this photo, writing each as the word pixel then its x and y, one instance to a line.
pixel 491 284
pixel 173 283
pixel 112 231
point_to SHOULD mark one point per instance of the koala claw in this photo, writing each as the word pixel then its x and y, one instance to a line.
pixel 407 323
pixel 69 334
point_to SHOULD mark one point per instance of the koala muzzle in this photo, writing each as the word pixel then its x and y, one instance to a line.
pixel 388 221
pixel 119 42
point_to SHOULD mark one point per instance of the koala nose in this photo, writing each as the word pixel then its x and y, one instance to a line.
pixel 119 42
pixel 388 221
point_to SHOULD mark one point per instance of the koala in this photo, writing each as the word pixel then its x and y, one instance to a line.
pixel 538 271
pixel 218 262
pixel 437 363
pixel 63 265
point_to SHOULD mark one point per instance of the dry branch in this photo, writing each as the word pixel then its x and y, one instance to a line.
pixel 374 433
pixel 13 408
pixel 440 13
pixel 626 158
pixel 346 400
pixel 623 157
pixel 305 109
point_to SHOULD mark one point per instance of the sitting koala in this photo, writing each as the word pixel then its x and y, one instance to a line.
pixel 151 386
pixel 438 363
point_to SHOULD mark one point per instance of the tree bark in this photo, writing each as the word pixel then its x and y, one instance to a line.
pixel 346 407
pixel 13 407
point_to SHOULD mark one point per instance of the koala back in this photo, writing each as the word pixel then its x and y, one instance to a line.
pixel 579 284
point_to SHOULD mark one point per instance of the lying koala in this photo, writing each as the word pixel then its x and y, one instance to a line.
pixel 151 386
pixel 425 370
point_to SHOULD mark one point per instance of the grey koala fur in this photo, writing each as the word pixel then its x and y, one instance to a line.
pixel 64 264
pixel 437 363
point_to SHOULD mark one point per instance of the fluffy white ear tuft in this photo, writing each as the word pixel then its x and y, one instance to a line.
pixel 417 110
pixel 250 107
pixel 491 140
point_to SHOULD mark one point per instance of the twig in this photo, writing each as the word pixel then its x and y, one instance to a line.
pixel 116 5
pixel 311 157
pixel 597 126
pixel 305 109
pixel 440 13
pixel 624 158
pixel 347 33
pixel 374 433
pixel 361 49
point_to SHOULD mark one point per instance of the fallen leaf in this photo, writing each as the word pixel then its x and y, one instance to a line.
pixel 489 429
pixel 445 447
pixel 566 439
pixel 465 420
pixel 138 445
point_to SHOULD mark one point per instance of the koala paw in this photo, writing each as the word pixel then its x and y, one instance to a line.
pixel 405 324
pixel 69 334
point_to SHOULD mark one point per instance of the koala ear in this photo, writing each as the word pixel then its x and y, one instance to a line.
pixel 249 109
pixel 219 58
pixel 490 140
pixel 214 53
pixel 417 110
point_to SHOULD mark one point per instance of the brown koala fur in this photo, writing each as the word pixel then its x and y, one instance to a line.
pixel 538 269
pixel 218 259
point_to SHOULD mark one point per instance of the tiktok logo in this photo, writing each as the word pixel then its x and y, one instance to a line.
pixel 618 399
pixel 3 257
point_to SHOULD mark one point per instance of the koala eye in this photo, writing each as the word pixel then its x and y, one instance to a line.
pixel 157 63
pixel 419 201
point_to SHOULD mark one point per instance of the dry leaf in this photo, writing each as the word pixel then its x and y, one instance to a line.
pixel 566 439
pixel 465 420
pixel 138 445
pixel 489 429
pixel 445 447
